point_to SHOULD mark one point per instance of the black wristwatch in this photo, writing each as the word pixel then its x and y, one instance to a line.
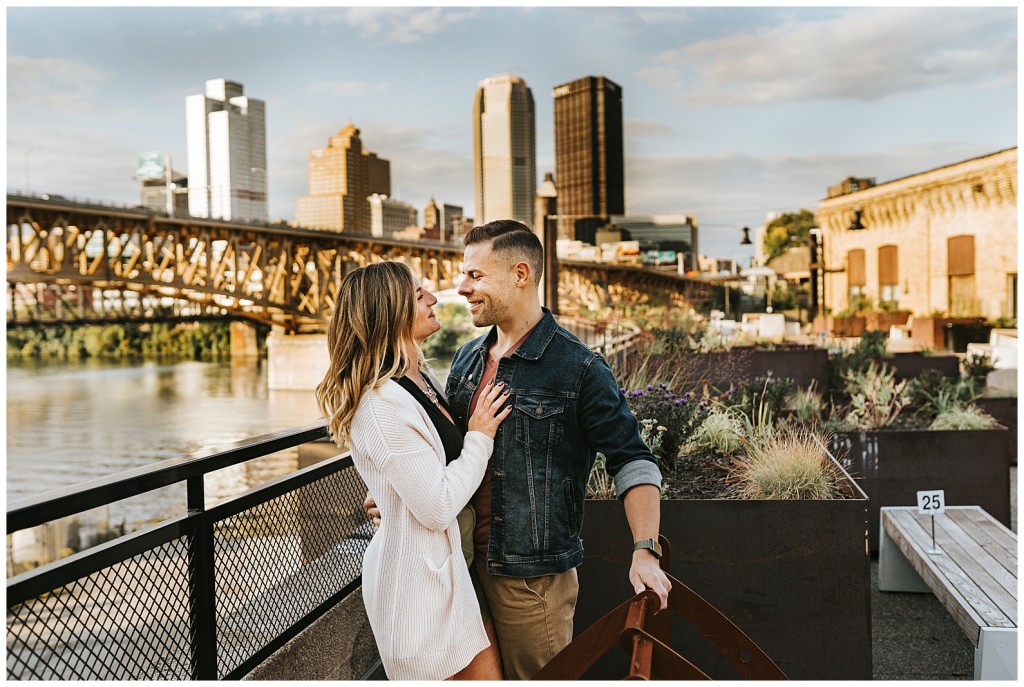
pixel 651 545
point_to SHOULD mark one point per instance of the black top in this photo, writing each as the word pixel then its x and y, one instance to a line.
pixel 451 436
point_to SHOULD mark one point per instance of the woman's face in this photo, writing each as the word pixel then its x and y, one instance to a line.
pixel 426 323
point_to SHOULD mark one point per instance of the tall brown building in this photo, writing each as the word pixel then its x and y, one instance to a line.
pixel 341 178
pixel 588 154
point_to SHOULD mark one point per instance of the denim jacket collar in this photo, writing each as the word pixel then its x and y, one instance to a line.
pixel 531 349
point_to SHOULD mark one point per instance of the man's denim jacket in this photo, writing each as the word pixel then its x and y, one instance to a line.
pixel 567 408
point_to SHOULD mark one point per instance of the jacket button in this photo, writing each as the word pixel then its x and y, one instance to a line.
pixel 499 473
pixel 540 409
pixel 498 518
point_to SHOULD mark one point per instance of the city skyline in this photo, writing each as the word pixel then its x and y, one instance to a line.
pixel 725 118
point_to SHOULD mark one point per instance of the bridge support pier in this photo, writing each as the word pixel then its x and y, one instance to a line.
pixel 296 362
pixel 243 340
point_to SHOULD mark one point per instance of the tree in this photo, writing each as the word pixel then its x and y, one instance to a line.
pixel 786 231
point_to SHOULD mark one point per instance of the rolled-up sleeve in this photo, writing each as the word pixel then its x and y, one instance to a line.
pixel 614 431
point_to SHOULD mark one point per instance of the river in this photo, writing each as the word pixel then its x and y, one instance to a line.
pixel 70 423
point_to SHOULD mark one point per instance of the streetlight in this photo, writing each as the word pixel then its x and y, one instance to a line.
pixel 857 223
pixel 814 241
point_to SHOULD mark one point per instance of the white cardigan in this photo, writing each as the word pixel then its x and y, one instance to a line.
pixel 416 586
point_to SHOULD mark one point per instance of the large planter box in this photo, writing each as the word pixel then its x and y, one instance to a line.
pixel 852 326
pixel 793 575
pixel 805 365
pixel 910 365
pixel 947 333
pixel 972 467
pixel 1004 410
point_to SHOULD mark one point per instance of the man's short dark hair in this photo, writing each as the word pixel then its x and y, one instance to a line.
pixel 512 237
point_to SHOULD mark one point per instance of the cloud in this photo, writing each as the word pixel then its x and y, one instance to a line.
pixel 659 17
pixel 863 54
pixel 352 89
pixel 643 128
pixel 749 186
pixel 51 83
pixel 42 162
pixel 405 24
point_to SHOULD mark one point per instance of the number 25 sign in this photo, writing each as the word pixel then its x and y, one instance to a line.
pixel 931 502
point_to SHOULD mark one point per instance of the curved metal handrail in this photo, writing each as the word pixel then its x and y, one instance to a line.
pixel 646 636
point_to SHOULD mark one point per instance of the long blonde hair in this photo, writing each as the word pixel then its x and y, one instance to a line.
pixel 367 339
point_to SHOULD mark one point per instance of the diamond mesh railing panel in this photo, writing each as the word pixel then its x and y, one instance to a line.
pixel 128 621
pixel 278 560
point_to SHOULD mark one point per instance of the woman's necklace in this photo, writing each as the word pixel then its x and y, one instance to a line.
pixel 431 394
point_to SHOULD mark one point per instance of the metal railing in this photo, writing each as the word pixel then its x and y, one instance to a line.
pixel 205 595
pixel 213 592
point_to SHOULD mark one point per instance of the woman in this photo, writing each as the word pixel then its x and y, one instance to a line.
pixel 379 398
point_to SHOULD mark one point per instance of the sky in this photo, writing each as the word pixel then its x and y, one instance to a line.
pixel 731 113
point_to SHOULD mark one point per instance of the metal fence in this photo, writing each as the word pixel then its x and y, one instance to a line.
pixel 212 593
pixel 205 595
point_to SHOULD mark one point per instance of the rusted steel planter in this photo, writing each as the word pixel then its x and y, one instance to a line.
pixel 972 467
pixel 803 364
pixel 1004 410
pixel 793 575
pixel 849 326
pixel 877 321
pixel 910 365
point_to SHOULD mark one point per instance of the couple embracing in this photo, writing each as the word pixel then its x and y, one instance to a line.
pixel 478 490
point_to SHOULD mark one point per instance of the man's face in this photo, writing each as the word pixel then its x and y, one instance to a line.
pixel 489 286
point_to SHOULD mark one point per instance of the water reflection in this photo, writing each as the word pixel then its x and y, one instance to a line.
pixel 68 424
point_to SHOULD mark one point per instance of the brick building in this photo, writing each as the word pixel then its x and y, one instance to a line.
pixel 942 240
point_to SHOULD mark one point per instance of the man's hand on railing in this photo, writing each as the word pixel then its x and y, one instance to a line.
pixel 371 510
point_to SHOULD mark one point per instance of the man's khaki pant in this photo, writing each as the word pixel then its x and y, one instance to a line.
pixel 532 617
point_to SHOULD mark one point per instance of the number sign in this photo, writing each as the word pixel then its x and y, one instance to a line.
pixel 931 502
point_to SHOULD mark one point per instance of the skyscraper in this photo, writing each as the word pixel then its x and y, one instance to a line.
pixel 504 150
pixel 342 177
pixel 588 153
pixel 227 153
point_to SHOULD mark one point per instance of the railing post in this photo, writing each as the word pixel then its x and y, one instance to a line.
pixel 201 594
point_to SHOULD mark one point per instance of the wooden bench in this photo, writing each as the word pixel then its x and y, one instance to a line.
pixel 972 571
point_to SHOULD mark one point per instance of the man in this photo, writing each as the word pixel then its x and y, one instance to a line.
pixel 567 408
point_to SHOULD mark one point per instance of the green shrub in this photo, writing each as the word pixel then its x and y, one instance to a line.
pixel 762 393
pixel 870 348
pixel 933 392
pixel 963 417
pixel 977 365
pixel 721 433
pixel 807 405
pixel 679 414
pixel 875 398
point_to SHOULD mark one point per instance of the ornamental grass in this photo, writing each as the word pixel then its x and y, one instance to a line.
pixel 786 466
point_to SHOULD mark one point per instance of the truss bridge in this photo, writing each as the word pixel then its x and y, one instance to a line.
pixel 76 261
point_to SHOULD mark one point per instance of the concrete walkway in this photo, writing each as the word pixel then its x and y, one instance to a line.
pixel 914 637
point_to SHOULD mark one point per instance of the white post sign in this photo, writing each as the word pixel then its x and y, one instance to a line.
pixel 932 503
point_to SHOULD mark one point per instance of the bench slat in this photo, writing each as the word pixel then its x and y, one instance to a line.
pixel 986 545
pixel 998 541
pixel 988 579
pixel 970 607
